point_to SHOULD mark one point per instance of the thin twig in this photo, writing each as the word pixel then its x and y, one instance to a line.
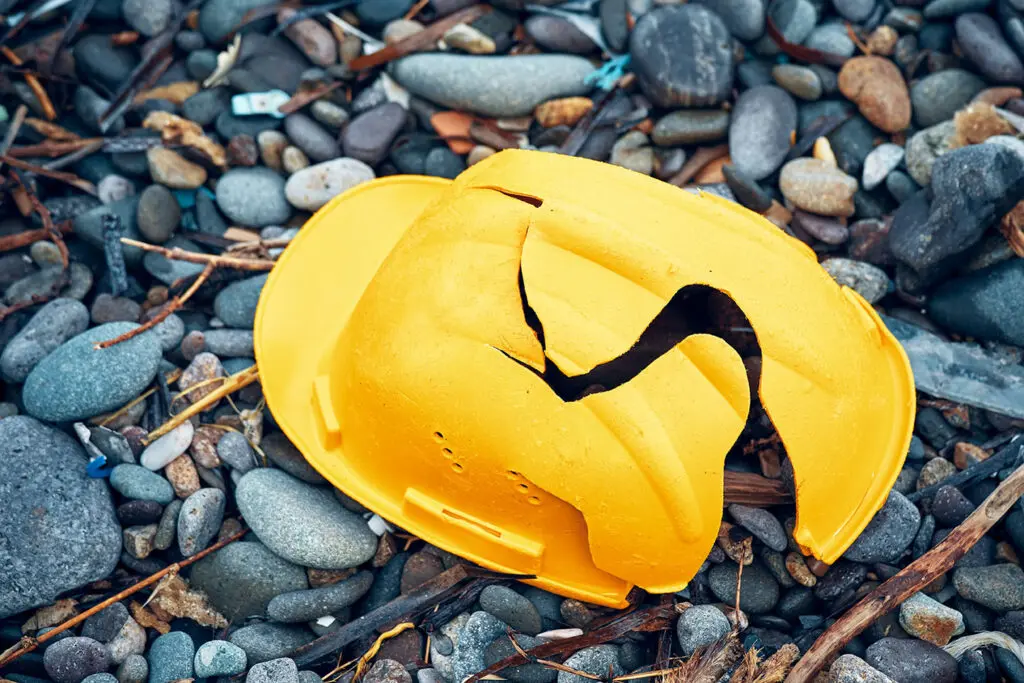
pixel 27 237
pixel 170 307
pixel 910 579
pixel 33 83
pixel 69 178
pixel 28 644
pixel 44 215
pixel 233 383
pixel 52 148
pixel 79 154
pixel 12 130
pixel 179 254
pixel 1004 458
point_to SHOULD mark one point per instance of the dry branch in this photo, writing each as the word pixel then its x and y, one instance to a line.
pixel 178 254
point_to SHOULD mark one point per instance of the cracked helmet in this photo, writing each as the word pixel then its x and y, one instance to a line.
pixel 520 367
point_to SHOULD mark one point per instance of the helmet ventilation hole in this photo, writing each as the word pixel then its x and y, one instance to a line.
pixel 534 500
pixel 438 437
pixel 447 452
pixel 523 488
pixel 512 474
pixel 457 467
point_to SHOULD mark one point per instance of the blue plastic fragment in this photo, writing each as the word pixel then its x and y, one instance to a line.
pixel 609 73
pixel 259 103
pixel 97 468
pixel 186 198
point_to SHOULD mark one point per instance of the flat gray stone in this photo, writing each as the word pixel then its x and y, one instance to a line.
pixel 54 323
pixel 263 642
pixel 309 605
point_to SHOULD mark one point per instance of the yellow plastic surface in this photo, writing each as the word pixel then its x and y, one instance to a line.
pixel 387 340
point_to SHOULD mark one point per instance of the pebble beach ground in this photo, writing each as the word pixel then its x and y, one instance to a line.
pixel 885 135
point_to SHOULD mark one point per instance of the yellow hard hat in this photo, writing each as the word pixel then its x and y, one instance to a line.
pixel 429 346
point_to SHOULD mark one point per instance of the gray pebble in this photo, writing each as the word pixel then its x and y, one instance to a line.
pixel 308 605
pixel 105 625
pixel 597 660
pixel 800 81
pixel 936 97
pixel 134 669
pixel 852 669
pixel 387 671
pixel 51 326
pixel 512 608
pixel 468 657
pixel 100 678
pixel 158 214
pixel 879 163
pixel 135 481
pixel 170 657
pixel 908 660
pixel 759 592
pixel 253 197
pixel 282 670
pixel 242 578
pixel 684 127
pixel 166 530
pixel 699 626
pixel 219 658
pixel 235 451
pixel 762 122
pixel 999 587
pixel 199 520
pixel 889 533
pixel 229 343
pixel 70 660
pixel 831 37
pixel 311 138
pixel 285 455
pixel 263 642
pixel 762 524
pixel 870 281
pixel 235 305
pixel 502 648
pixel 218 18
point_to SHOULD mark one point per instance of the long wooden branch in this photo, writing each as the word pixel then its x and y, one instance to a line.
pixel 909 580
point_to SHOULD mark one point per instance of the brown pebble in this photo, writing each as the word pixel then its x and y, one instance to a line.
pixel 771 466
pixel 817 567
pixel 203 373
pixel 157 295
pixel 739 551
pixel 182 474
pixel 192 344
pixel 169 168
pixel 712 173
pixel 1006 553
pixel 934 471
pixel 386 549
pixel 478 154
pixel 977 122
pixel 135 434
pixel 778 213
pixel 204 446
pixel 310 36
pixel 406 648
pixel 1012 227
pixel 967 454
pixel 326 577
pixel 272 144
pixel 936 584
pixel 420 567
pixel 818 187
pixel 877 87
pixel 242 151
pixel 882 40
pixel 575 613
pixel 998 96
pixel 138 540
pixel 229 528
pixel 565 111
pixel 869 241
pixel 797 568
pixel 827 229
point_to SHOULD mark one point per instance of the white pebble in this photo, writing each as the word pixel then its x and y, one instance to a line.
pixel 168 447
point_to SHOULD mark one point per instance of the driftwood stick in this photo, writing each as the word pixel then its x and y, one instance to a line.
pixel 747 488
pixel 178 254
pixel 909 580
pixel 29 644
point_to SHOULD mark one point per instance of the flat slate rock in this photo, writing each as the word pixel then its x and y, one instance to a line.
pixel 65 532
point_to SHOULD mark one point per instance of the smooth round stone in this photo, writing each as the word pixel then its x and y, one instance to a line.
pixel 243 577
pixel 311 37
pixel 831 37
pixel 925 147
pixel 380 12
pixel 754 72
pixel 878 88
pixel 228 125
pixel 685 127
pixel 441 162
pixel 762 524
pixel 263 642
pixel 910 660
pixel 293 159
pixel 235 451
pixel 134 669
pixel 284 670
pixel 75 535
pixel 199 520
pixel 311 138
pixel 746 190
pixel 189 41
pixel 762 122
pixel 170 657
pixel 206 105
pixel 557 34
pixel 100 678
pixel 329 113
pixel 502 648
pixel 229 343
pixel 598 660
pixel 70 660
pixel 825 228
pixel 852 142
pixel 169 332
pixel 869 281
pixel 512 608
pixel 219 658
pixel 316 185
pixel 983 304
pixel 999 587
pixel 254 197
pixel 368 137
pixel 235 305
pixel 938 96
pixel 889 532
pixel 135 481
pixel 982 42
pixel 699 626
pixel 743 18
pixel 76 380
pixel 158 214
pixel 308 605
pixel 218 18
pixel 901 186
pixel 201 64
pixel 795 19
pixel 698 71
pixel 818 187
pixel 148 17
pixel 854 10
pixel 759 591
pixel 940 9
pixel 111 189
pixel 879 163
pixel 54 323
pixel 285 455
pixel 499 86
pixel 100 63
pixel 303 524
pixel 798 80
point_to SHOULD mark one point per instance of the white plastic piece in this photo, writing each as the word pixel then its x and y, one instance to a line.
pixel 325 621
pixel 378 525
pixel 259 103
pixel 559 634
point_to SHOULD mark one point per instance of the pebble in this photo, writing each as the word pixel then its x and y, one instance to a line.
pixel 234 450
pixel 908 660
pixel 511 608
pixel 982 304
pixel 104 625
pixel 982 42
pixel 301 523
pixel 229 343
pixel 441 162
pixel 889 532
pixel 747 191
pixel 817 186
pixel 686 127
pixel 478 631
pixel 280 670
pixel 466 38
pixel 218 18
pixel 879 163
pixel 109 309
pixel 111 189
pixel 235 305
pixel 101 64
pixel 44 475
pixel 253 197
pixel 54 323
pixel 312 187
pixel 762 122
pixel 369 136
pixel 380 12
pixel 700 625
pixel 999 587
pixel 951 507
pixel 869 281
pixel 504 86
pixel 745 19
pixel 200 373
pixel 926 618
pixel 138 540
pixel 70 660
pixel 633 151
pixel 800 81
pixel 795 19
pixel 134 481
pixel 100 678
pixel 759 592
pixel 169 168
pixel 199 520
pixel 272 144
pixel 158 214
pixel 557 34
pixel 831 37
pixel 293 159
pixel 925 147
pixel 852 669
pixel 502 647
pixel 243 577
pixel 315 41
pixel 219 658
pixel 938 96
pixel 598 660
pixel 170 657
pixel 308 605
pixel 134 669
pixel 167 527
pixel 329 113
pixel 877 87
pixel 148 17
pixel 263 642
pixel 168 447
pixel 764 525
pixel 969 184
pixel 855 10
pixel 129 641
pixel 311 138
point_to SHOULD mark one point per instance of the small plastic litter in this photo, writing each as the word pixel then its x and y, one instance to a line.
pixel 260 103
